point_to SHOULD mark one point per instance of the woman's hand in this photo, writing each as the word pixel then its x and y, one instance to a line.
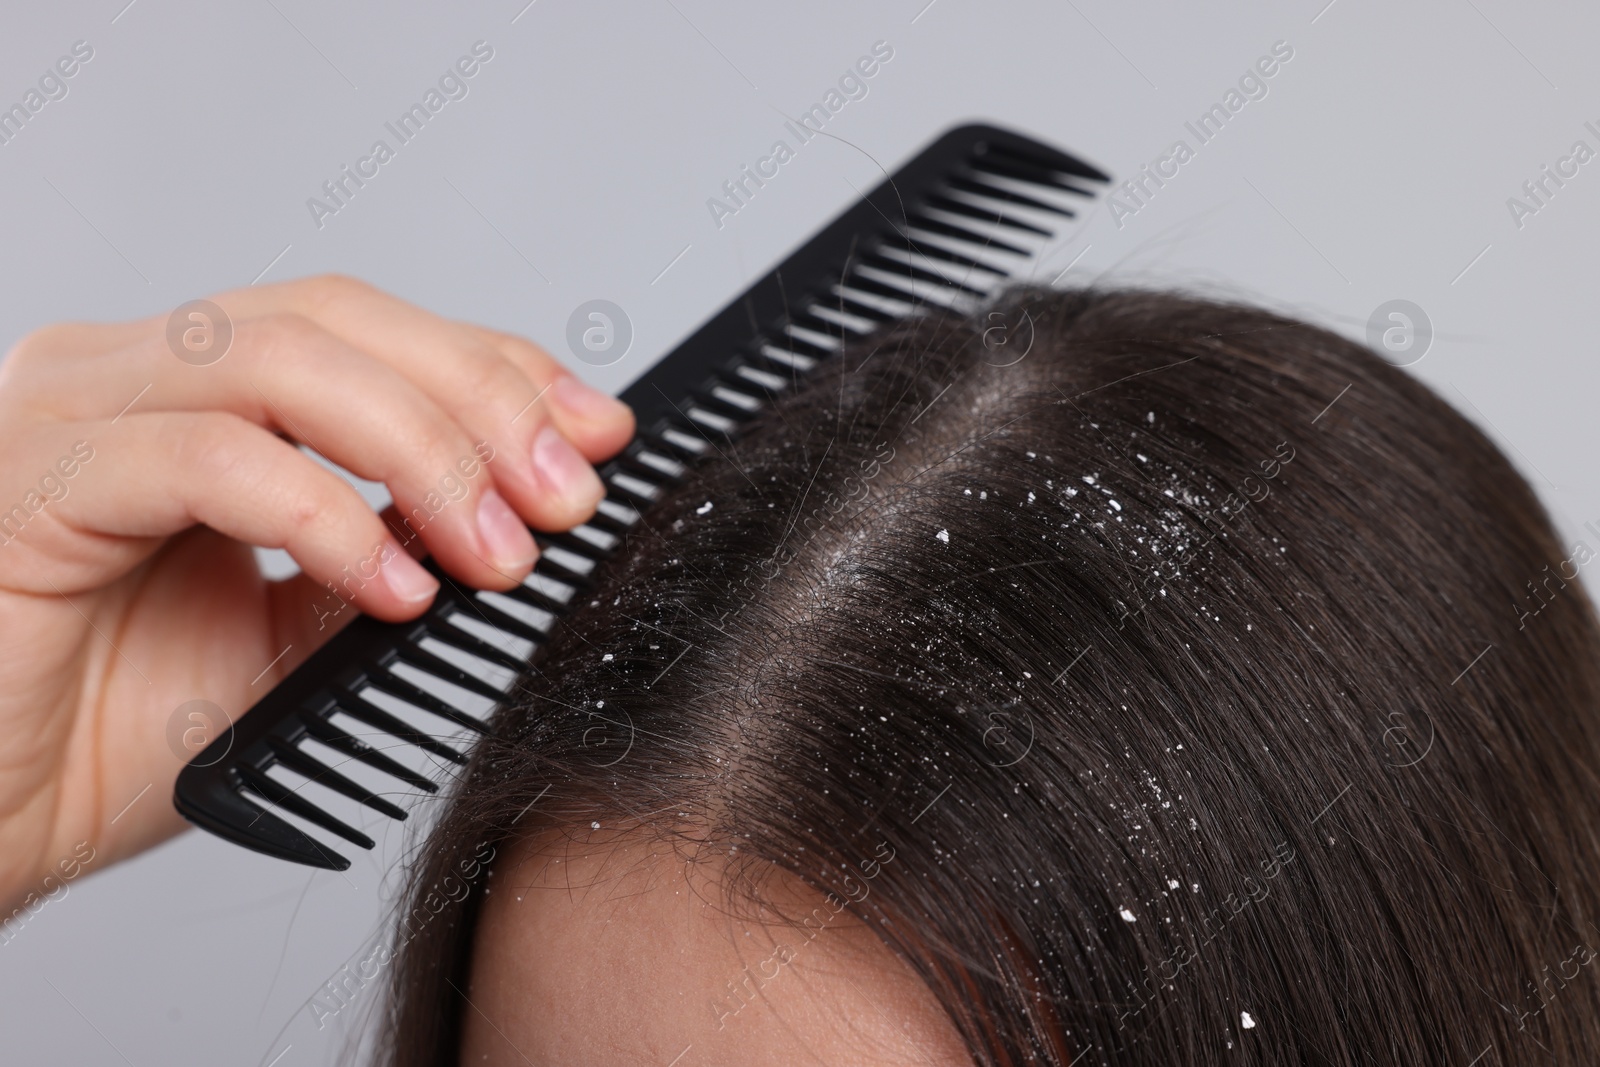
pixel 133 481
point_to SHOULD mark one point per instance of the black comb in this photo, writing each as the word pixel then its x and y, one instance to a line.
pixel 949 227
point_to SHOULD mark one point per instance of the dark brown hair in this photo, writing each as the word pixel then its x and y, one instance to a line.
pixel 1180 654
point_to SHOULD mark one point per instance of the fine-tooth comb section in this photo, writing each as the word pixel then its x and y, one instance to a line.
pixel 384 710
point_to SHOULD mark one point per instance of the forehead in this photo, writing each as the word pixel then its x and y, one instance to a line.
pixel 603 952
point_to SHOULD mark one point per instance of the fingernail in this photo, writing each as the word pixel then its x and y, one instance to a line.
pixel 564 471
pixel 406 578
pixel 505 538
pixel 585 402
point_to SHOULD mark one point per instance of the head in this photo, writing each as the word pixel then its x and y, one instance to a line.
pixel 1155 681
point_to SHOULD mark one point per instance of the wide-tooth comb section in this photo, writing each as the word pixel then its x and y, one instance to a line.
pixel 905 254
pixel 997 192
pixel 395 684
pixel 292 802
pixel 893 265
pixel 973 211
pixel 1031 173
pixel 1041 157
pixel 977 206
pixel 358 708
pixel 788 357
pixel 357 749
pixel 216 803
pixel 685 444
pixel 961 233
pixel 773 384
pixel 323 775
pixel 515 615
pixel 916 287
pixel 483 649
pixel 432 664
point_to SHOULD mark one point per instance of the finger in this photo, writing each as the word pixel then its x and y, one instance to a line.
pixel 598 425
pixel 64 341
pixel 506 401
pixel 149 476
pixel 287 373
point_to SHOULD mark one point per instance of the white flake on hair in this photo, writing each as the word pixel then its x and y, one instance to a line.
pixel 943 535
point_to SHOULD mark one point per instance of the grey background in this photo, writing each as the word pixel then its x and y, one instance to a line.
pixel 1377 167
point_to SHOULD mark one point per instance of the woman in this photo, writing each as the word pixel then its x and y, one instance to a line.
pixel 1113 678
pixel 1155 681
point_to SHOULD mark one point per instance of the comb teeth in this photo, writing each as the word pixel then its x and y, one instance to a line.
pixel 291 756
pixel 977 207
pixel 357 749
